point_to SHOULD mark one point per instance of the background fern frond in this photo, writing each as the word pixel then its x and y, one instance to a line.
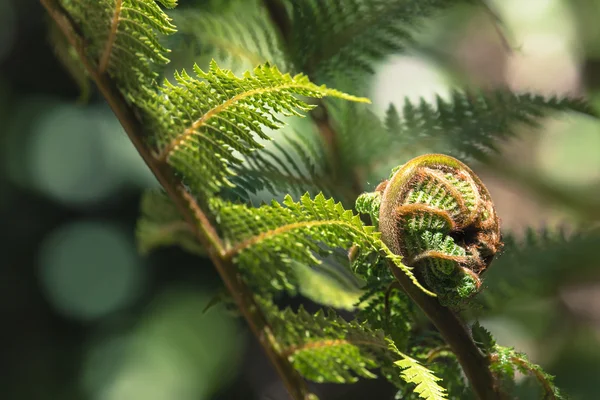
pixel 294 164
pixel 238 39
pixel 329 36
pixel 201 123
pixel 161 224
pixel 122 37
pixel 264 240
pixel 539 264
pixel 471 124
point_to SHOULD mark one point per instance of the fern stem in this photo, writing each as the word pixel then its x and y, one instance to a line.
pixel 190 210
pixel 474 363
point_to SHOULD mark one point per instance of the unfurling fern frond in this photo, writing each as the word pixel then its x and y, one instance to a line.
pixel 161 225
pixel 325 348
pixel 471 124
pixel 122 37
pixel 238 39
pixel 201 122
pixel 264 240
pixel 329 36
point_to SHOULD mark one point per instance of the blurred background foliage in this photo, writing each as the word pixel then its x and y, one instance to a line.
pixel 85 317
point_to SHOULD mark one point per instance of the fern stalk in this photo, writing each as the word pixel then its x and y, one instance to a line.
pixel 188 207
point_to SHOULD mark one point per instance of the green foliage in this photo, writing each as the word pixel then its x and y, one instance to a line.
pixel 326 348
pixel 538 264
pixel 213 130
pixel 506 361
pixel 471 124
pixel 122 37
pixel 266 239
pixel 201 121
pixel 238 38
pixel 332 35
pixel 295 164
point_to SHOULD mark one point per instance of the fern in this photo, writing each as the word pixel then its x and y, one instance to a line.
pixel 326 348
pixel 296 166
pixel 238 39
pixel 471 124
pixel 539 264
pixel 122 37
pixel 200 122
pixel 264 240
pixel 332 35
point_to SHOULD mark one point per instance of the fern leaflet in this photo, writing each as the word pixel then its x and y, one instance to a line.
pixel 333 35
pixel 471 123
pixel 325 348
pixel 264 240
pixel 122 37
pixel 200 123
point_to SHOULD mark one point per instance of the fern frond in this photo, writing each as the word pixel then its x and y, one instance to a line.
pixel 122 37
pixel 161 224
pixel 294 164
pixel 539 264
pixel 506 361
pixel 329 36
pixel 238 39
pixel 325 348
pixel 427 383
pixel 201 122
pixel 471 124
pixel 263 240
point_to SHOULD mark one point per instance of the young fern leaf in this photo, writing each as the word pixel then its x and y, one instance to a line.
pixel 325 348
pixel 264 240
pixel 470 124
pixel 201 122
pixel 333 35
pixel 122 37
pixel 427 383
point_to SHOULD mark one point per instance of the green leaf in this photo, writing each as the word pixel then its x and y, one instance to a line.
pixel 483 338
pixel 264 240
pixel 238 38
pixel 201 122
pixel 122 38
pixel 330 36
pixel 505 360
pixel 472 124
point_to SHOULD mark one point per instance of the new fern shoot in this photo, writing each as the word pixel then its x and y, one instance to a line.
pixel 214 139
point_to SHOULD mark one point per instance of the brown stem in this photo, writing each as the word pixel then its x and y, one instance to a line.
pixel 474 363
pixel 190 210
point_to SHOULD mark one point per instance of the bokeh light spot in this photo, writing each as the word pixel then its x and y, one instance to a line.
pixel 89 269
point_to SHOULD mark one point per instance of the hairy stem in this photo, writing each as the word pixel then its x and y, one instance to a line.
pixel 474 363
pixel 187 205
pixel 280 18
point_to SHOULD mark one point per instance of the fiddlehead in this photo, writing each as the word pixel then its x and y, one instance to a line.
pixel 437 214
